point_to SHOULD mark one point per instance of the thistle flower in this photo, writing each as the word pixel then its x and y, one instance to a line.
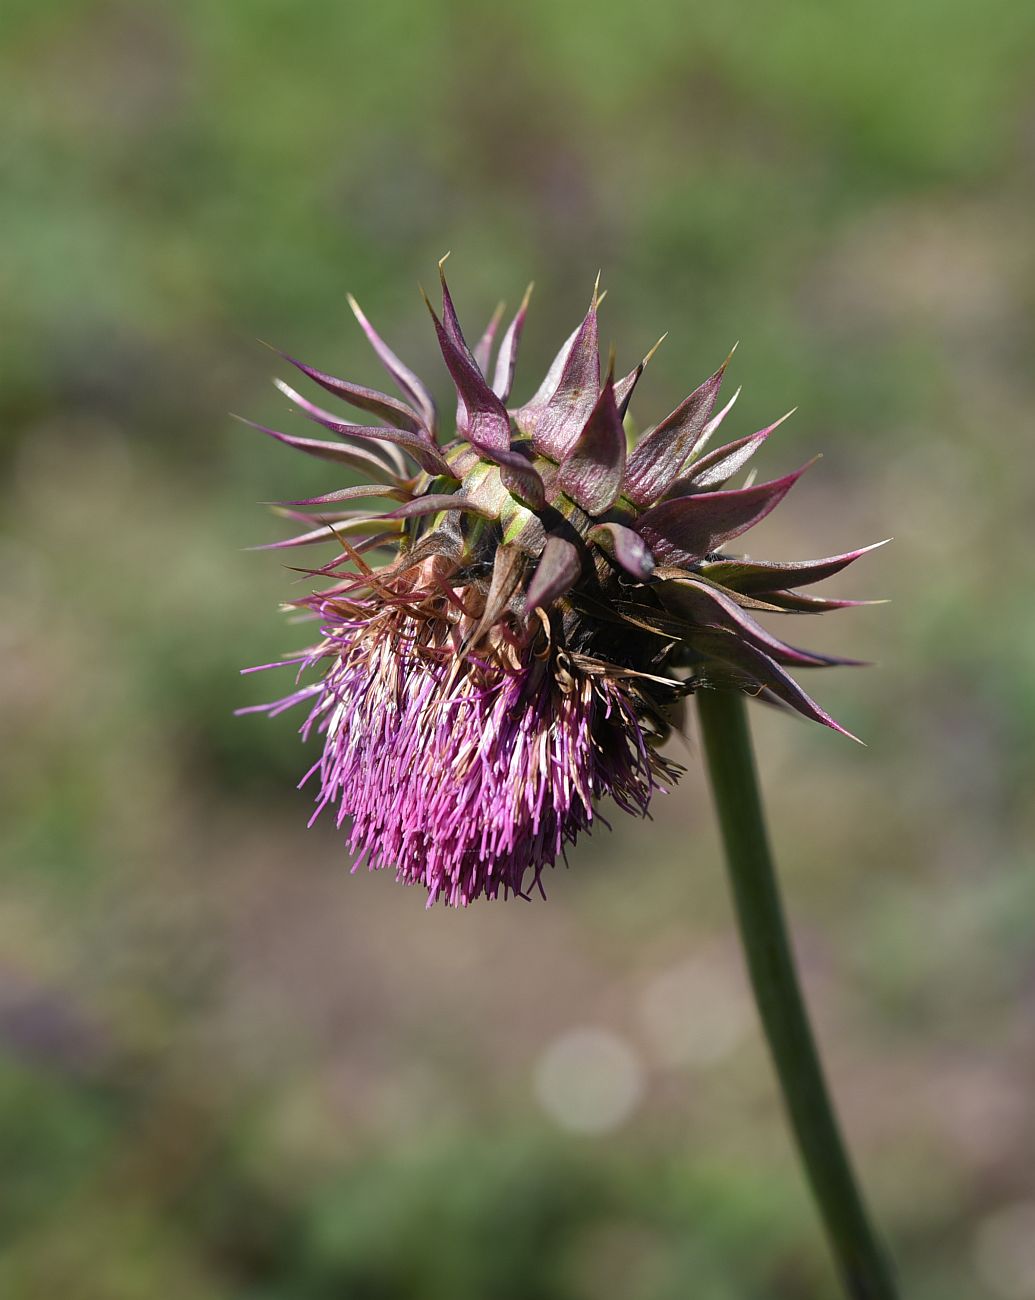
pixel 545 598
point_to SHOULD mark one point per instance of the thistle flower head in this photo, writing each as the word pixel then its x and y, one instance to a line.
pixel 506 642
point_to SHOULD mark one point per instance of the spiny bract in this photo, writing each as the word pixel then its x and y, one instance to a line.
pixel 547 597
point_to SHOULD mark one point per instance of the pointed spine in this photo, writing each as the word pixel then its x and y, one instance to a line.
pixel 658 458
pixel 408 383
pixel 420 447
pixel 687 529
pixel 592 470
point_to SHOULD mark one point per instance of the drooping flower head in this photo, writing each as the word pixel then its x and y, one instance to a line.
pixel 506 643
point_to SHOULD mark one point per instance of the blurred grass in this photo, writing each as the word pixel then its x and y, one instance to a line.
pixel 226 1068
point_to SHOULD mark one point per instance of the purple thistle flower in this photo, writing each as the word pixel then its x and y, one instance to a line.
pixel 547 599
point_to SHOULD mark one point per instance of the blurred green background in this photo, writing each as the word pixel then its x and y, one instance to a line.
pixel 228 1069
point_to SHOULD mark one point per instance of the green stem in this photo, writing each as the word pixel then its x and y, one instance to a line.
pixel 763 929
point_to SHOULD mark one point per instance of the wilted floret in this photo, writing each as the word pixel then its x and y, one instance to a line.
pixel 546 598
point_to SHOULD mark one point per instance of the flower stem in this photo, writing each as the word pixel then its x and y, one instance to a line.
pixel 864 1268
